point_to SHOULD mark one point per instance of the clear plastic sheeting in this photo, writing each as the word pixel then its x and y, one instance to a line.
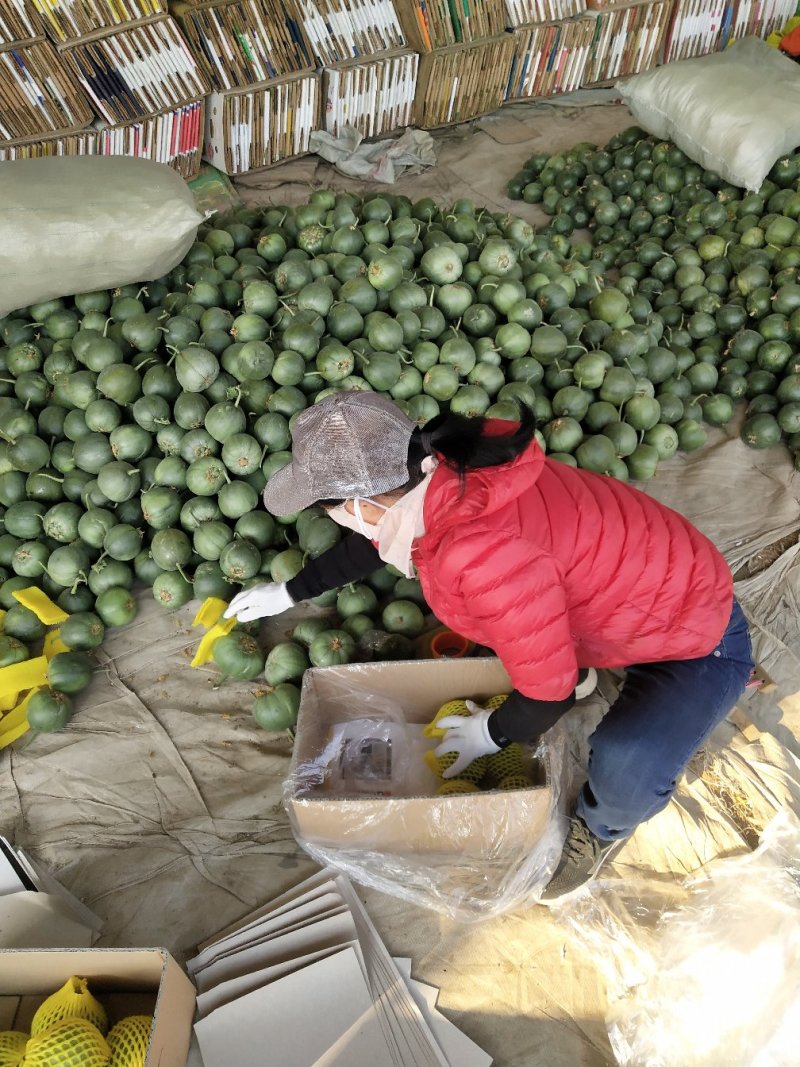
pixel 706 972
pixel 362 799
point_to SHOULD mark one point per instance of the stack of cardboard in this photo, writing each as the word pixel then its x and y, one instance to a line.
pixel 36 911
pixel 696 28
pixel 550 57
pixel 264 101
pixel 757 19
pixel 462 81
pixel 308 978
pixel 125 66
pixel 40 99
pixel 628 38
pixel 18 23
pixel 369 75
pixel 460 44
pixel 535 12
pixel 374 95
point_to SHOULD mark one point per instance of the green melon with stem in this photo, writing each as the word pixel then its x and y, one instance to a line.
pixel 116 606
pixel 238 656
pixel 49 710
pixel 70 672
pixel 12 651
pixel 277 709
pixel 240 560
pixel 286 662
pixel 172 590
pixel 171 549
pixel 82 631
pixel 332 648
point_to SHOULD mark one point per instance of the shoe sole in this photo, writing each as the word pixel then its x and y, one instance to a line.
pixel 587 686
pixel 593 873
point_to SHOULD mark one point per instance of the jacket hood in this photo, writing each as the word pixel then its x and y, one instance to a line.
pixel 484 491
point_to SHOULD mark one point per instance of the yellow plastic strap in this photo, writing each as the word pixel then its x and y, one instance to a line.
pixel 7 702
pixel 41 605
pixel 21 676
pixel 15 724
pixel 210 612
pixel 203 653
pixel 53 644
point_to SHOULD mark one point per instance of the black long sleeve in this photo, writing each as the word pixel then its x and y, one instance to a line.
pixel 522 718
pixel 353 558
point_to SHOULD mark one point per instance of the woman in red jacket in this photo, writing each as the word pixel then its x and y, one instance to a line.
pixel 555 569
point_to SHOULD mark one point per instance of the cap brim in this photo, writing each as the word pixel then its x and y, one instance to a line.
pixel 288 491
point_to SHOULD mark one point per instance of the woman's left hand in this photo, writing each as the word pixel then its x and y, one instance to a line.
pixel 468 736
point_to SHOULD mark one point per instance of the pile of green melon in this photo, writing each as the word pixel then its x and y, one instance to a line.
pixel 139 426
pixel 709 276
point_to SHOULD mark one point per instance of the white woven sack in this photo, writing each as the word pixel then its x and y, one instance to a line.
pixel 735 112
pixel 76 224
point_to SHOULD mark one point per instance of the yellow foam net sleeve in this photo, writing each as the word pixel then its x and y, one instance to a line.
pixel 210 615
pixel 15 723
pixel 72 1001
pixel 20 676
pixel 41 605
pixel 53 644
pixel 129 1040
pixel 69 1043
pixel 12 1047
pixel 24 678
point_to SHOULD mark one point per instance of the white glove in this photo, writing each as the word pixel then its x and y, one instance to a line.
pixel 271 598
pixel 468 736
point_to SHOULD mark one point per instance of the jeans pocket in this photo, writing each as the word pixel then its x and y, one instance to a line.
pixel 736 644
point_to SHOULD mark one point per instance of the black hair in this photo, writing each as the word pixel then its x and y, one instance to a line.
pixel 461 441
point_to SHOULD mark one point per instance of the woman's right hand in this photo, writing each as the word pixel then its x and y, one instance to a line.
pixel 259 602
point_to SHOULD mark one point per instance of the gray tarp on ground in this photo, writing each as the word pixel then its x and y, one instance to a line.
pixel 161 804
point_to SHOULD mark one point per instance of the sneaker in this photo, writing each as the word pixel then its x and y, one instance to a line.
pixel 587 683
pixel 581 858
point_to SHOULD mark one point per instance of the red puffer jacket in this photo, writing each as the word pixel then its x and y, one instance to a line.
pixel 555 568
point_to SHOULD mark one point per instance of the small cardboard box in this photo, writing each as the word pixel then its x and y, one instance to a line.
pixel 137 981
pixel 499 824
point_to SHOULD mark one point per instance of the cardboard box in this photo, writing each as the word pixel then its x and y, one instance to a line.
pixel 462 82
pixel 497 825
pixel 127 981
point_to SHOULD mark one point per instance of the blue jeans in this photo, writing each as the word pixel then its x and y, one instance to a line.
pixel 663 714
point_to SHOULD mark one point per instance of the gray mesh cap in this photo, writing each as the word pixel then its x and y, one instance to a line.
pixel 348 445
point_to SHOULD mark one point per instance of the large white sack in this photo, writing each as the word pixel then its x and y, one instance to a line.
pixel 73 225
pixel 735 112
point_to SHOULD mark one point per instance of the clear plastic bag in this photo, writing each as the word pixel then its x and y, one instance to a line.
pixel 470 856
pixel 213 192
pixel 706 972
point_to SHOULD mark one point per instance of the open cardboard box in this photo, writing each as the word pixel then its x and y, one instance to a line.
pixel 126 981
pixel 498 824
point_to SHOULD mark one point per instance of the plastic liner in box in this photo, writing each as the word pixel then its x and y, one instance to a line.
pixel 470 856
pixel 706 972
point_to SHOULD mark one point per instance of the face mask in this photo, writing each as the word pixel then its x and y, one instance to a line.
pixel 398 527
pixel 356 521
